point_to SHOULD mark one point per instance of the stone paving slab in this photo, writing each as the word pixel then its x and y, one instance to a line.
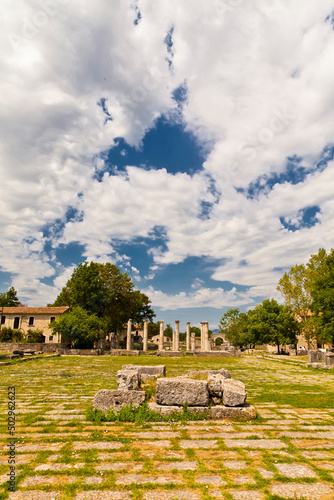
pixel 99 445
pixel 295 470
pixel 185 465
pixel 117 466
pixel 198 443
pixel 269 444
pixel 306 491
pixel 140 479
pixel 104 495
pixel 34 495
pixel 171 495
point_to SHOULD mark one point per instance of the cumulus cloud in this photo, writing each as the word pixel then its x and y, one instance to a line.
pixel 259 80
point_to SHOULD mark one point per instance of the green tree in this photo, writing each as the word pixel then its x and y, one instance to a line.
pixel 103 290
pixel 79 328
pixel 196 330
pixel 153 329
pixel 9 298
pixel 296 287
pixel 168 332
pixel 234 325
pixel 274 324
pixel 323 299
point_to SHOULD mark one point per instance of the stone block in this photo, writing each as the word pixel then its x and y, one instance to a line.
pixel 116 399
pixel 167 410
pixel 234 392
pixel 127 380
pixel 170 354
pixel 215 386
pixel 181 391
pixel 245 412
pixel 157 371
pixel 213 354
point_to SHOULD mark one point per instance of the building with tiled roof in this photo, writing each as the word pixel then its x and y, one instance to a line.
pixel 33 318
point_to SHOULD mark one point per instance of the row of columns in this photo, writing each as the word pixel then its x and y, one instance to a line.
pixel 190 337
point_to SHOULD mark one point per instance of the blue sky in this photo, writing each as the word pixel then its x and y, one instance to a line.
pixel 191 145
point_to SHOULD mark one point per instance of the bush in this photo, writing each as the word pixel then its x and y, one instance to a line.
pixel 35 336
pixel 141 414
pixel 9 335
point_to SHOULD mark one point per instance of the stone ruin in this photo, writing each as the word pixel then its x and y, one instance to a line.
pixel 213 393
pixel 321 359
pixel 207 345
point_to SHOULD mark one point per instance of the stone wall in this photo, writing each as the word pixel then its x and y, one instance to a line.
pixel 25 346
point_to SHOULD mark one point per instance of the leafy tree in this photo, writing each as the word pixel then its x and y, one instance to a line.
pixel 168 332
pixel 80 328
pixel 9 298
pixel 103 290
pixel 153 329
pixel 274 324
pixel 323 299
pixel 297 285
pixel 234 325
pixel 196 330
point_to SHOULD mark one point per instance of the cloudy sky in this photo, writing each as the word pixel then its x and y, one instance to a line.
pixel 191 143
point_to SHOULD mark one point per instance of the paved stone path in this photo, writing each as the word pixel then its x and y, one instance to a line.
pixel 289 453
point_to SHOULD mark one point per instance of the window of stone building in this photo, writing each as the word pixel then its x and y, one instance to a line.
pixel 52 319
pixel 50 337
pixel 31 321
pixel 3 320
pixel 16 323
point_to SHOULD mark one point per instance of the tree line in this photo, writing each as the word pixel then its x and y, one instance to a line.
pixel 308 293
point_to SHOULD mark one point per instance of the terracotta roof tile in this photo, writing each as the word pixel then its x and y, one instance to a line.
pixel 34 310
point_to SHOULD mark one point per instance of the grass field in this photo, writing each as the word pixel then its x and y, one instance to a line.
pixel 287 452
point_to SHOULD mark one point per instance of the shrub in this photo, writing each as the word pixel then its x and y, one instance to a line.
pixel 141 414
pixel 9 335
pixel 35 336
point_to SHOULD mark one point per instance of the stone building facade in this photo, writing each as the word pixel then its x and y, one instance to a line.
pixel 33 318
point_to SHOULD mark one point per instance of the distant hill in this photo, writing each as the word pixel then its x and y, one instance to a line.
pixel 215 331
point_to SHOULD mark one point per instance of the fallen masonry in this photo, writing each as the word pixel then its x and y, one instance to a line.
pixel 210 393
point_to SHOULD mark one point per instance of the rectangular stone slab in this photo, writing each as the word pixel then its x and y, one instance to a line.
pixel 158 370
pixel 182 391
pixel 238 412
pixel 167 410
pixel 115 400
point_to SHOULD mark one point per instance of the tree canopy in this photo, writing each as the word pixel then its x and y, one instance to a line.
pixel 323 299
pixel 9 298
pixel 80 328
pixel 296 287
pixel 103 290
pixel 268 323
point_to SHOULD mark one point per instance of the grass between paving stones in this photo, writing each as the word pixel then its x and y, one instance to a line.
pixel 70 383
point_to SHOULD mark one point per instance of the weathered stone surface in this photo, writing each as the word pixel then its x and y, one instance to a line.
pixel 180 391
pixel 127 380
pixel 215 386
pixel 158 370
pixel 115 400
pixel 245 412
pixel 170 354
pixel 167 410
pixel 295 490
pixel 234 392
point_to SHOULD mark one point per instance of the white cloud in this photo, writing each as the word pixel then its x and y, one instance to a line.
pixel 260 83
pixel 216 298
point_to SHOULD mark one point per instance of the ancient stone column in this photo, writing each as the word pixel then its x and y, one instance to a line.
pixel 202 337
pixel 128 336
pixel 161 336
pixel 206 336
pixel 193 341
pixel 177 335
pixel 145 336
pixel 188 336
